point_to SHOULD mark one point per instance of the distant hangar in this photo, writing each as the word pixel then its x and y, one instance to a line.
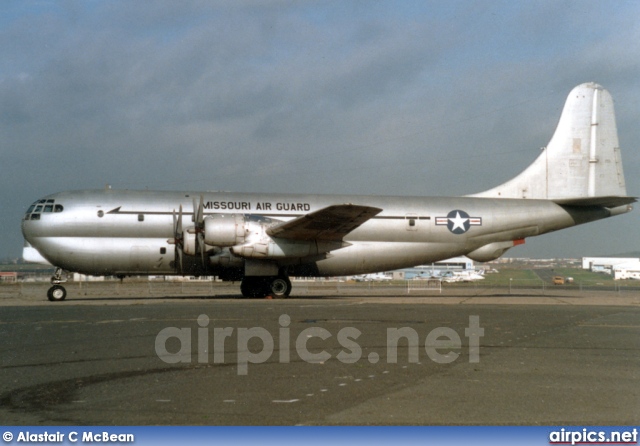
pixel 620 267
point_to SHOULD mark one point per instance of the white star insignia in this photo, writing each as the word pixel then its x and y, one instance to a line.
pixel 458 222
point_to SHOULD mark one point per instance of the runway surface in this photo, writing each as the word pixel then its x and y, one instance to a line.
pixel 96 361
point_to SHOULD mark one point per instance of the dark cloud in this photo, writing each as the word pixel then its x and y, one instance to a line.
pixel 431 98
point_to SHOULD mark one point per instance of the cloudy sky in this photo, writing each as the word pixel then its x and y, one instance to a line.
pixel 366 97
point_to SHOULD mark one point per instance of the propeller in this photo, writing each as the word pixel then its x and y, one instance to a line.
pixel 182 239
pixel 178 239
pixel 198 211
pixel 198 219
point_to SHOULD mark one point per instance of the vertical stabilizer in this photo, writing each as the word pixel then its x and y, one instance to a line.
pixel 581 161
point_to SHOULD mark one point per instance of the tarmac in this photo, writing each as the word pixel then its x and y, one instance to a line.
pixel 136 357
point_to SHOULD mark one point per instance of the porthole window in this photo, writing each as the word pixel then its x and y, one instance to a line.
pixel 163 250
pixel 100 214
pixel 412 222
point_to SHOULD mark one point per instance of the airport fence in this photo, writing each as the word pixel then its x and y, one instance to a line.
pixel 159 289
pixel 121 289
pixel 429 285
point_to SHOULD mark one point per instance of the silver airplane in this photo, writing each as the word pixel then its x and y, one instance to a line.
pixel 263 239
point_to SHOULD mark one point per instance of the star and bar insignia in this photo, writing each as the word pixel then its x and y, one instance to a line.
pixel 458 221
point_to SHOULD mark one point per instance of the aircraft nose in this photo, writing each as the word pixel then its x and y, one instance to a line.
pixel 26 225
pixel 35 212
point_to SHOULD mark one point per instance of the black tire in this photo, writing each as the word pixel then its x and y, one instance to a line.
pixel 280 286
pixel 254 287
pixel 57 293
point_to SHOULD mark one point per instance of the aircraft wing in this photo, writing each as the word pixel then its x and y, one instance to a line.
pixel 332 223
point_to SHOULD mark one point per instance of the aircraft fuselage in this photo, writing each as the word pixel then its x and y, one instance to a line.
pixel 111 232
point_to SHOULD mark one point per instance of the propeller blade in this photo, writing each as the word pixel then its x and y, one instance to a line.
pixel 175 223
pixel 178 240
pixel 179 260
pixel 200 246
pixel 200 218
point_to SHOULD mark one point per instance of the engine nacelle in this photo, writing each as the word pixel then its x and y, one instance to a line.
pixel 189 243
pixel 225 230
pixel 245 237
pixel 493 251
pixel 226 259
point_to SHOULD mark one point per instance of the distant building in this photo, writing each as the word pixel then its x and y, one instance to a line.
pixel 630 270
pixel 77 277
pixel 454 263
pixel 8 277
pixel 605 264
pixel 435 269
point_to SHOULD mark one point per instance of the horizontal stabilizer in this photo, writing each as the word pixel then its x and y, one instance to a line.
pixel 608 202
pixel 330 223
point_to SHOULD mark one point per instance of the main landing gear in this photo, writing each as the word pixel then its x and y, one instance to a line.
pixel 258 286
pixel 57 292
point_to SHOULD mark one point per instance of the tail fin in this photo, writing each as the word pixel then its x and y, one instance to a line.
pixel 581 165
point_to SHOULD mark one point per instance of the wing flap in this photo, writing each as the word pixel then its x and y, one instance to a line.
pixel 332 223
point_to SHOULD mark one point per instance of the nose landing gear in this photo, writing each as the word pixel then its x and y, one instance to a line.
pixel 57 292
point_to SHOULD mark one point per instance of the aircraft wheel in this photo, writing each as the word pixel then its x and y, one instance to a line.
pixel 57 293
pixel 280 287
